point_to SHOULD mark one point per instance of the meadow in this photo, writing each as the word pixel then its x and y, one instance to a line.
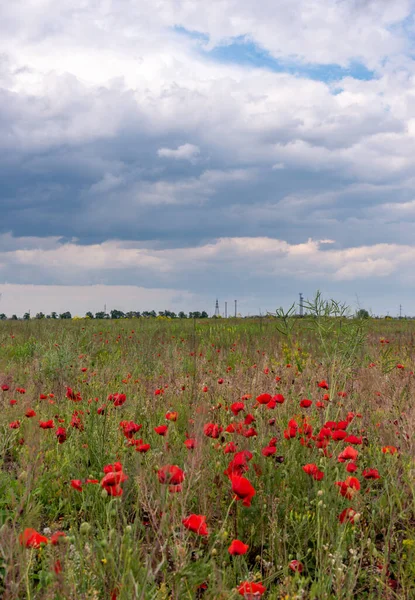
pixel 210 459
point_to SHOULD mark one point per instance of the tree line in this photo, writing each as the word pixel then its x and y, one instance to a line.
pixel 114 314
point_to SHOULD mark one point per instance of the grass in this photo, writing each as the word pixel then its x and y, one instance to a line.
pixel 134 545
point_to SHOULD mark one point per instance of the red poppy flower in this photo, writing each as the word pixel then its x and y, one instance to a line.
pixel 114 476
pixel 43 397
pixel 230 448
pixel 278 398
pixel 30 413
pixel 212 430
pixel 61 434
pixel 71 395
pixel 389 450
pixel 55 537
pixel 129 428
pixel 238 548
pixel 371 474
pixel 243 489
pixel 220 381
pixel 119 399
pixel 313 470
pixel 190 443
pixel 47 424
pixel 30 538
pixel 349 453
pixel 171 416
pixel 268 451
pixel 12 402
pixel 349 487
pixel 251 590
pixel 348 515
pixel 264 398
pixel 5 387
pixel 323 385
pixel 14 425
pixel 296 566
pixel 196 523
pixel 236 407
pixel 249 419
pixel 141 447
pixel 161 429
pixel 76 484
pixel 170 474
pixel 306 403
pixel 339 435
pixel 354 439
pixel 351 467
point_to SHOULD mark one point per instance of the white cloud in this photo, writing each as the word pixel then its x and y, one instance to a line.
pixel 183 152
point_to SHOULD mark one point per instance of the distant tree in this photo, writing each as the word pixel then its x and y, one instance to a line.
pixel 53 315
pixel 133 314
pixel 14 317
pixel 204 315
pixel 3 317
pixel 40 315
pixel 182 315
pixel 117 314
pixel 26 316
pixel 65 315
pixel 362 314
pixel 89 315
pixel 101 315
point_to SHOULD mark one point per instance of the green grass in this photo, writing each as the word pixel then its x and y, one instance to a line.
pixel 134 545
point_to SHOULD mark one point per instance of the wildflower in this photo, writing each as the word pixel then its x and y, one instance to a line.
pixel 113 478
pixel 236 407
pixel 56 537
pixel 212 430
pixel 264 398
pixel 306 403
pixel 196 523
pixel 161 429
pixel 61 434
pixel 389 450
pixel 47 424
pixel 371 474
pixel 71 395
pixel 238 548
pixel 30 538
pixel 141 447
pixel 349 487
pixel 250 589
pixel 296 566
pixel 129 428
pixel 119 399
pixel 170 474
pixel 354 439
pixel 190 443
pixel 5 387
pixel 323 385
pixel 243 489
pixel 348 515
pixel 14 425
pixel 171 416
pixel 76 484
pixel 349 453
pixel 30 413
pixel 313 470
pixel 268 450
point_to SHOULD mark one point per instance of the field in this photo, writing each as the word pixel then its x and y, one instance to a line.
pixel 213 459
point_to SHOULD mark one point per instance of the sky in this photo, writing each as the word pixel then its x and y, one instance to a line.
pixel 162 155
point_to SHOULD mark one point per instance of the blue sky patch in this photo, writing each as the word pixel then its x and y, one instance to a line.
pixel 242 51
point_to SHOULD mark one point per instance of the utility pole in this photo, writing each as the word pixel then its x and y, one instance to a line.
pixel 301 304
pixel 226 310
pixel 236 311
pixel 400 311
pixel 217 308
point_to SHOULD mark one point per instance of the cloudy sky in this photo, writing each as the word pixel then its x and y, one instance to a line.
pixel 162 154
